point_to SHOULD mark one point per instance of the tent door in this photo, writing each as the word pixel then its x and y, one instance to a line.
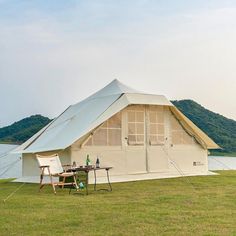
pixel 136 140
pixel 145 148
pixel 156 155
pixel 157 159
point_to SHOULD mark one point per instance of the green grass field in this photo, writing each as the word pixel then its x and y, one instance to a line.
pixel 203 205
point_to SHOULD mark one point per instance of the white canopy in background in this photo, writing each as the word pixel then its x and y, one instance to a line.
pixel 10 163
pixel 80 119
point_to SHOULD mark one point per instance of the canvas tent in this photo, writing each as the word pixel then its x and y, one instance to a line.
pixel 134 132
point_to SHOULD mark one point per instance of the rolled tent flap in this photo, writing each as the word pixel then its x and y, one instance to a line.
pixel 201 137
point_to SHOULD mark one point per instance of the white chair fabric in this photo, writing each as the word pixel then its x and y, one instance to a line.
pixel 53 162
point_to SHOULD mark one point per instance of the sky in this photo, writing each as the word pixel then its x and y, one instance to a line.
pixel 56 53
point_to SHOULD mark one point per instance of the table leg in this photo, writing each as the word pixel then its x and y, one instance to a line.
pixel 87 172
pixel 108 179
pixel 95 180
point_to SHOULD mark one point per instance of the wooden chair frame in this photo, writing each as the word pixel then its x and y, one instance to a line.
pixel 64 175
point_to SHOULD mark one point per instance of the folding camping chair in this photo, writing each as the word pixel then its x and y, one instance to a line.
pixel 51 166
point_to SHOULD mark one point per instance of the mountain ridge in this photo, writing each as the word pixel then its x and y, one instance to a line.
pixel 21 130
pixel 218 127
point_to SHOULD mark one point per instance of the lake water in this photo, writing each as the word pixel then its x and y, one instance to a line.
pixel 11 164
pixel 221 163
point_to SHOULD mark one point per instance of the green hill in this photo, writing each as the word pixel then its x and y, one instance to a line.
pixel 22 130
pixel 221 129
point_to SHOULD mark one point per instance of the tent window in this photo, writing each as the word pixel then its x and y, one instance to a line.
pixel 178 134
pixel 108 134
pixel 135 125
pixel 114 137
pixel 100 137
pixel 156 128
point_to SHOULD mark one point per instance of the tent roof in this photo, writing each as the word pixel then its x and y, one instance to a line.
pixel 81 118
pixel 113 88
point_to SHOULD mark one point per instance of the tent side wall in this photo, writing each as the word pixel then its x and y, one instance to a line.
pixel 188 159
pixel 30 165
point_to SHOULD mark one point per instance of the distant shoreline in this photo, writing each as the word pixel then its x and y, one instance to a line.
pixel 225 154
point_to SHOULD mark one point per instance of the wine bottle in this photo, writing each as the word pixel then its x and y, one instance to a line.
pixel 88 163
pixel 97 163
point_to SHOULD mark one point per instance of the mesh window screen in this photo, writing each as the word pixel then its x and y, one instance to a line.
pixel 132 128
pixel 114 137
pixel 140 138
pixel 178 134
pixel 139 128
pixel 132 138
pixel 156 129
pixel 89 142
pixel 139 116
pixel 131 116
pixel 108 134
pixel 114 122
pixel 135 115
pixel 100 137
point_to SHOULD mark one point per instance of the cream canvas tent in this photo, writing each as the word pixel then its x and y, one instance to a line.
pixel 140 135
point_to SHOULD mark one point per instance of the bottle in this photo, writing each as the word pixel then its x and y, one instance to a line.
pixel 74 164
pixel 97 163
pixel 88 163
pixel 81 185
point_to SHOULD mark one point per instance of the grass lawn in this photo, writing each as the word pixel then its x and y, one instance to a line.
pixel 207 206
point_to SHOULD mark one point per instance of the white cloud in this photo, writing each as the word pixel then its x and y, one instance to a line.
pixel 46 64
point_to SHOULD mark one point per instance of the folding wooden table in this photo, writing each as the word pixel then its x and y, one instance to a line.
pixel 87 169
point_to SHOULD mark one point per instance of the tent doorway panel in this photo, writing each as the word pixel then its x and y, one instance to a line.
pixel 136 160
pixel 157 159
pixel 136 139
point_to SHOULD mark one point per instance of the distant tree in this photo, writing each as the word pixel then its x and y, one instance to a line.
pixel 22 130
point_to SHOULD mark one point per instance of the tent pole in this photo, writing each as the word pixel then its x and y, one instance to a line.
pixel 146 137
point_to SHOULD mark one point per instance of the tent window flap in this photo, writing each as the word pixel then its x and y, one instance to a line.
pixel 108 134
pixel 136 125
pixel 156 128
